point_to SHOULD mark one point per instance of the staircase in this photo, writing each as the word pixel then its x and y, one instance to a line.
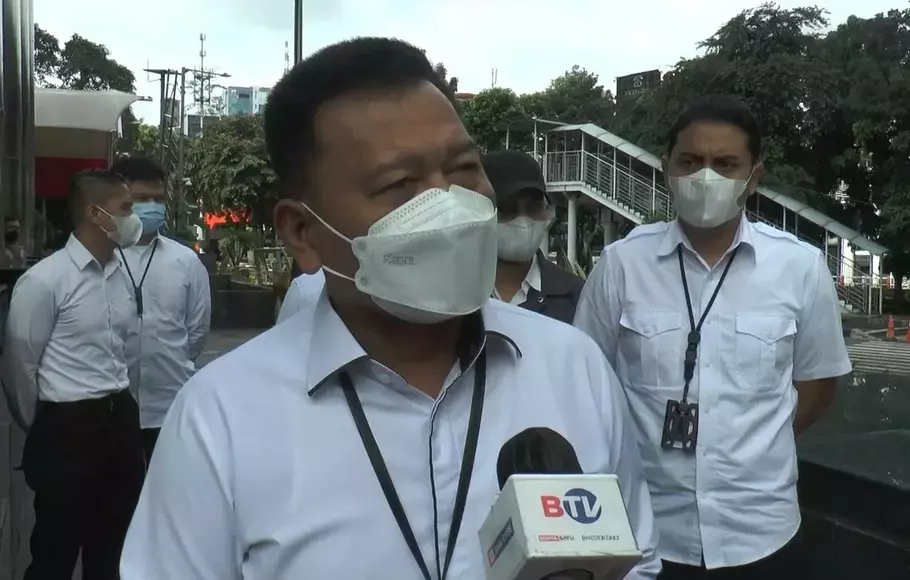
pixel 628 180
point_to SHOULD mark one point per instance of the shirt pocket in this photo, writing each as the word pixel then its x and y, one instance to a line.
pixel 650 347
pixel 763 352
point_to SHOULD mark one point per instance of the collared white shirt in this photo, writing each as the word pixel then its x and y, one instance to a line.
pixel 776 320
pixel 259 472
pixel 305 289
pixel 531 281
pixel 177 309
pixel 68 321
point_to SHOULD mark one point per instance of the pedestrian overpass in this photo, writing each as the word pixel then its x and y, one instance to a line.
pixel 592 167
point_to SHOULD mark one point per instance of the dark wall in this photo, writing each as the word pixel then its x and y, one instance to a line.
pixel 853 528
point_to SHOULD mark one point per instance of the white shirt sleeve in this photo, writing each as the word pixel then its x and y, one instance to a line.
pixel 184 525
pixel 625 463
pixel 819 351
pixel 199 308
pixel 31 320
pixel 599 309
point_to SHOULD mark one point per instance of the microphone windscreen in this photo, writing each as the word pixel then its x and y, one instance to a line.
pixel 537 450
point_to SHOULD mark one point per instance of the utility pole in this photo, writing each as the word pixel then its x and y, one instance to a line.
pixel 201 97
pixel 180 215
pixel 298 31
pixel 164 75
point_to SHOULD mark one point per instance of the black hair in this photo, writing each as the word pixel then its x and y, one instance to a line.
pixel 82 192
pixel 138 169
pixel 720 109
pixel 356 65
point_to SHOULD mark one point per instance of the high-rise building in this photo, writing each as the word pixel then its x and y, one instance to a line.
pixel 246 100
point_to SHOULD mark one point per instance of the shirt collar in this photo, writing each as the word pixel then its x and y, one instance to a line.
pixel 80 256
pixel 675 236
pixel 333 348
pixel 532 280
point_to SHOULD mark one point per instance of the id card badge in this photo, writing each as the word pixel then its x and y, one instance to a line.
pixel 680 426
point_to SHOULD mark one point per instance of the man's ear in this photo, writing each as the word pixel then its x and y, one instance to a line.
pixel 293 224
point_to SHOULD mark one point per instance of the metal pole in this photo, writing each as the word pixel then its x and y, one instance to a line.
pixel 298 31
pixel 162 123
pixel 181 146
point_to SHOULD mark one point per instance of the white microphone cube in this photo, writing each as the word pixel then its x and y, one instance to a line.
pixel 546 524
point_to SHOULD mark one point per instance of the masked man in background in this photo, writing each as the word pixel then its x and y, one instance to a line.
pixel 174 305
pixel 524 275
pixel 65 369
pixel 726 335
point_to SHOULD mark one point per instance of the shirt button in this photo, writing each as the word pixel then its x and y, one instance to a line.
pixel 648 330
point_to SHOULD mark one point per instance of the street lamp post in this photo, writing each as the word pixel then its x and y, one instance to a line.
pixel 298 31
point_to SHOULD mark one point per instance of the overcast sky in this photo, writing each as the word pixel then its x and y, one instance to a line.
pixel 528 41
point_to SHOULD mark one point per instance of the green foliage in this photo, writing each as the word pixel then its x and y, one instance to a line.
pixel 490 115
pixel 79 65
pixel 228 169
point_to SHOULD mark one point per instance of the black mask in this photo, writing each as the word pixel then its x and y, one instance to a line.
pixel 11 237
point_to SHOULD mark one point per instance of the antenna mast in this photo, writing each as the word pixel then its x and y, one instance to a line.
pixel 287 57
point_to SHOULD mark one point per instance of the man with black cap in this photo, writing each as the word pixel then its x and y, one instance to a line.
pixel 524 276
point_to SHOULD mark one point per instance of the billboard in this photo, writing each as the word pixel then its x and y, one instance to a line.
pixel 637 84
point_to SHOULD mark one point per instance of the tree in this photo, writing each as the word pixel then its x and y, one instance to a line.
pixel 443 73
pixel 490 115
pixel 228 169
pixel 575 97
pixel 80 65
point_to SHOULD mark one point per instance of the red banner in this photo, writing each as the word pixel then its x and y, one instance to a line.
pixel 53 174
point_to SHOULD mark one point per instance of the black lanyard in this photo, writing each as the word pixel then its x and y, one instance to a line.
pixel 694 337
pixel 137 289
pixel 385 480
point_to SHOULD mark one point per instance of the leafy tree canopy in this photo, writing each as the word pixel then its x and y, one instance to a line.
pixel 227 168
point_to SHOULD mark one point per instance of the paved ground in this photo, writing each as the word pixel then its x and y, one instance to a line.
pixel 879 356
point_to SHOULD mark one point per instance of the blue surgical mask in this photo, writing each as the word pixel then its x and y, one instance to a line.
pixel 152 215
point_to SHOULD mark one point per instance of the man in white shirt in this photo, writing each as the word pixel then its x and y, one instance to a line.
pixel 262 468
pixel 727 338
pixel 304 290
pixel 524 276
pixel 65 367
pixel 176 302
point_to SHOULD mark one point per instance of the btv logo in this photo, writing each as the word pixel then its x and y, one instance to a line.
pixel 579 504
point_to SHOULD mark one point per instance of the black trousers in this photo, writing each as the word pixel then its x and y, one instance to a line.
pixel 149 438
pixel 786 563
pixel 84 461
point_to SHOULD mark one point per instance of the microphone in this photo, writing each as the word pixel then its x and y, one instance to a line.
pixel 552 522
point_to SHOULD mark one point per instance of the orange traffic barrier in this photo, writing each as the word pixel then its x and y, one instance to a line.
pixel 890 332
pixel 907 336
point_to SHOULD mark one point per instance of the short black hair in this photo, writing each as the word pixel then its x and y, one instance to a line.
pixel 721 109
pixel 82 194
pixel 356 65
pixel 138 169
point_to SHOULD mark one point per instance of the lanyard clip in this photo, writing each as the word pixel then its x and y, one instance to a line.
pixel 139 308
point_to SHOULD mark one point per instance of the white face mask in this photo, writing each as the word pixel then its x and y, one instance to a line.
pixel 128 229
pixel 707 199
pixel 432 259
pixel 520 238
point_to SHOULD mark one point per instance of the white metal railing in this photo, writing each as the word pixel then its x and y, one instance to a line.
pixel 647 198
pixel 642 197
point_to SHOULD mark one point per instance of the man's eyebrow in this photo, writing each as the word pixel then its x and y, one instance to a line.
pixel 461 148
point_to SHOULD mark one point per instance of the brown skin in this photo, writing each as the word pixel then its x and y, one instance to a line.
pixel 511 275
pixel 91 228
pixel 142 191
pixel 725 149
pixel 375 152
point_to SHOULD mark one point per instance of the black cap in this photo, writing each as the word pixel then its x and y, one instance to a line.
pixel 511 172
